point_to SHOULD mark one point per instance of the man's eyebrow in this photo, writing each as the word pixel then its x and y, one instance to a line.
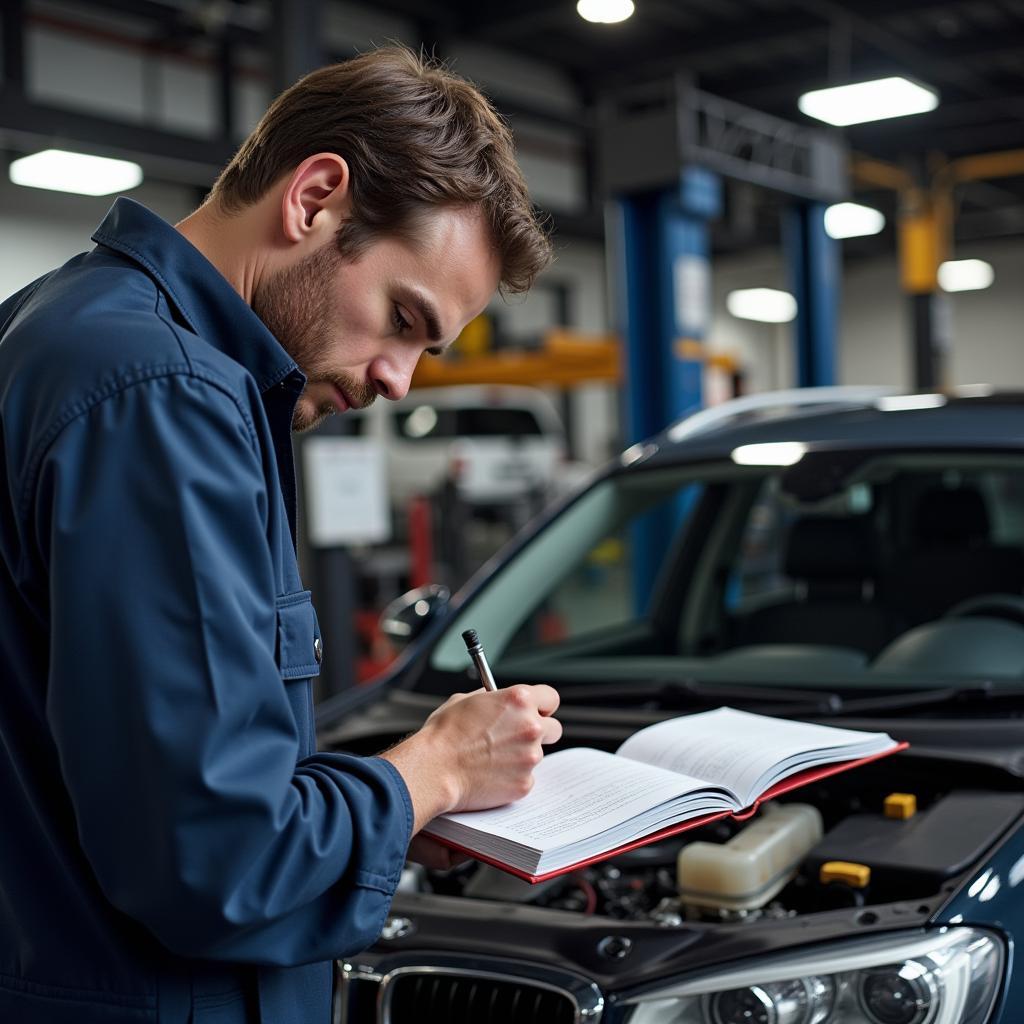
pixel 428 311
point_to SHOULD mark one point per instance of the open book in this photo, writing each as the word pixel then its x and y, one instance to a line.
pixel 587 804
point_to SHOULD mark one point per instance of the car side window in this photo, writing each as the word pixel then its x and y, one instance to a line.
pixel 609 586
pixel 496 421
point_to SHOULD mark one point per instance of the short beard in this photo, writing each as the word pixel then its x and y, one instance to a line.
pixel 293 305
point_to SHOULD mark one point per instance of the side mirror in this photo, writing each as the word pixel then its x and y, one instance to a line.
pixel 407 616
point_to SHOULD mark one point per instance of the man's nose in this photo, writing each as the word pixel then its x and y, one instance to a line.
pixel 392 377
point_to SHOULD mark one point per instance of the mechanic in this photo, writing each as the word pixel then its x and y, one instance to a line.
pixel 174 849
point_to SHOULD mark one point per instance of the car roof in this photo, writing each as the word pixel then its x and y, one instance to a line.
pixel 841 418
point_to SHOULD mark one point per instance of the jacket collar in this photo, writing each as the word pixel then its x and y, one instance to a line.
pixel 200 293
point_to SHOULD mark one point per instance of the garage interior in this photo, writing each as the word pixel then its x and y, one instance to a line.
pixel 694 106
pixel 750 447
pixel 174 85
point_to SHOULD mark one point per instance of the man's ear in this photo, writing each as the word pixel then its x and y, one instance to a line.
pixel 316 199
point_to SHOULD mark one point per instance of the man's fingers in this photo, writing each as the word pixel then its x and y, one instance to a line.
pixel 432 854
pixel 552 731
pixel 546 697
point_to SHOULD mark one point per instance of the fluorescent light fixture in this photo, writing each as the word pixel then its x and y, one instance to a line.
pixel 61 171
pixel 907 403
pixel 868 101
pixel 421 421
pixel 965 275
pixel 769 305
pixel 976 391
pixel 771 453
pixel 605 12
pixel 851 220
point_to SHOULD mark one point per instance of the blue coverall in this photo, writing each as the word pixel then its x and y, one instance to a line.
pixel 172 849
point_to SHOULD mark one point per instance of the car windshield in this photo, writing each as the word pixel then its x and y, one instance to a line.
pixel 850 569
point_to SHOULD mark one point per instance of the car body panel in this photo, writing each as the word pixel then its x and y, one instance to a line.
pixel 968 736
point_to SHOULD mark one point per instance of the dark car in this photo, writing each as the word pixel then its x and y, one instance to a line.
pixel 845 556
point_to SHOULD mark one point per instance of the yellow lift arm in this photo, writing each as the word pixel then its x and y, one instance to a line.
pixel 567 359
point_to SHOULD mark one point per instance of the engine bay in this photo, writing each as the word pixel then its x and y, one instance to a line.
pixel 873 837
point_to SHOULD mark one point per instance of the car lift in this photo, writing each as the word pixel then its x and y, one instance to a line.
pixel 659 247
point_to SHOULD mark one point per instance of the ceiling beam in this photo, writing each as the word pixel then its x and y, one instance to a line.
pixel 296 35
pixel 171 18
pixel 183 159
pixel 12 23
pixel 520 20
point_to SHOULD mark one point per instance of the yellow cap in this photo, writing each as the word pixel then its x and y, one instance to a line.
pixel 900 805
pixel 856 875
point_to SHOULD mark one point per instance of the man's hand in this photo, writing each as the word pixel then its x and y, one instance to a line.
pixel 477 750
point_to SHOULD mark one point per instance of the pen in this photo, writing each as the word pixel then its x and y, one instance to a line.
pixel 476 652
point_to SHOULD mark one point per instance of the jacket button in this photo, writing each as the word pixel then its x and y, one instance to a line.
pixel 318 650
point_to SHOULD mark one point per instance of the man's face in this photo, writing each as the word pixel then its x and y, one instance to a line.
pixel 358 328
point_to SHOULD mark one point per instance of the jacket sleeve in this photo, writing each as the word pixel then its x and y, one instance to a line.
pixel 175 737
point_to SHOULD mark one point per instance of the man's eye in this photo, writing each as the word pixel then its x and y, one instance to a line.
pixel 400 322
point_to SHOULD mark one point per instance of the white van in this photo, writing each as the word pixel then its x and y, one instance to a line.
pixel 496 443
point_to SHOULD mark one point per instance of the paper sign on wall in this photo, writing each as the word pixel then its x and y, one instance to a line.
pixel 691 295
pixel 346 491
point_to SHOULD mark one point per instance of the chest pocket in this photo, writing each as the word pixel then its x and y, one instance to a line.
pixel 299 652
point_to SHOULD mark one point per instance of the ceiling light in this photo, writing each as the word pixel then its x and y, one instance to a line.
pixel 975 391
pixel 771 453
pixel 868 101
pixel 61 171
pixel 908 403
pixel 604 12
pixel 769 305
pixel 851 220
pixel 421 421
pixel 965 275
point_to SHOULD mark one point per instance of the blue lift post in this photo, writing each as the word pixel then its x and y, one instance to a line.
pixel 664 309
pixel 663 145
pixel 815 272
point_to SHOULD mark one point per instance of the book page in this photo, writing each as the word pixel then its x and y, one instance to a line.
pixel 738 750
pixel 577 793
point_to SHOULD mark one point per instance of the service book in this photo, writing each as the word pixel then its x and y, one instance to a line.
pixel 587 805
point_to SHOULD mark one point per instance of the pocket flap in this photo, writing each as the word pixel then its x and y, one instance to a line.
pixel 299 649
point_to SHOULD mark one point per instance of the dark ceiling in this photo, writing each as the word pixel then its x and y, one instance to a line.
pixel 765 53
pixel 761 53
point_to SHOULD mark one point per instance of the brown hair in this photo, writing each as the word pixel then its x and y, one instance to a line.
pixel 415 136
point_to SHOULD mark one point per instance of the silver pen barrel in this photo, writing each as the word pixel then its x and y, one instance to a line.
pixel 476 652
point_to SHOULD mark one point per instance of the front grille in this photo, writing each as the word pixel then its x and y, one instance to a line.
pixel 449 989
pixel 415 998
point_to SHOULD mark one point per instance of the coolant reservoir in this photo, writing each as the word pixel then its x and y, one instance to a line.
pixel 746 872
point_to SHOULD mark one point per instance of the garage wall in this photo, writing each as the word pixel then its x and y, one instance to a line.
pixel 181 95
pixel 141 87
pixel 875 328
pixel 40 230
pixel 986 326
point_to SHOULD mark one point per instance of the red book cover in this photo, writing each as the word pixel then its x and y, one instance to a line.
pixel 796 781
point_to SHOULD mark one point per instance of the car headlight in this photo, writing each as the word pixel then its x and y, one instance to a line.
pixel 949 976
